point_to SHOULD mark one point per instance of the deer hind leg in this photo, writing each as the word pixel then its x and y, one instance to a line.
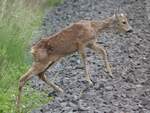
pixel 43 77
pixel 100 50
pixel 35 69
pixel 83 59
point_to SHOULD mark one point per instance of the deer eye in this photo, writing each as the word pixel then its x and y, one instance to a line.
pixel 124 22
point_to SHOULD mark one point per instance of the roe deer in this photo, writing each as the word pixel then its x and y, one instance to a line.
pixel 71 39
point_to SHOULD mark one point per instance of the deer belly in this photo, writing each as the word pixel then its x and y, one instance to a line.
pixel 66 48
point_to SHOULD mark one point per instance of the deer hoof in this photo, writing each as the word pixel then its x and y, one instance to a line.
pixel 61 90
pixel 90 83
pixel 110 73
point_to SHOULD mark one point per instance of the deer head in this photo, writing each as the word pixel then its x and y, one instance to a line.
pixel 122 23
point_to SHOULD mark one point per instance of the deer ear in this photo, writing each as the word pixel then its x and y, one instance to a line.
pixel 119 9
pixel 116 13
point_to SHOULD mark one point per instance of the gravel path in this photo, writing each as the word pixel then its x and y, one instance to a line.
pixel 129 90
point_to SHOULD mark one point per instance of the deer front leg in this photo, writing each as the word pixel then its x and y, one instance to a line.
pixel 100 50
pixel 83 59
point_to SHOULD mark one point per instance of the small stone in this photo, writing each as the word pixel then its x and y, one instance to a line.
pixel 109 88
pixel 52 94
pixel 63 104
pixel 83 105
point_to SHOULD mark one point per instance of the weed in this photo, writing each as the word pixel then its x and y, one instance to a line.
pixel 18 21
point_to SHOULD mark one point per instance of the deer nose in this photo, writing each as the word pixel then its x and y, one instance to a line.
pixel 130 31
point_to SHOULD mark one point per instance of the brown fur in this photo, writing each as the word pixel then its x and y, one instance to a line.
pixel 71 39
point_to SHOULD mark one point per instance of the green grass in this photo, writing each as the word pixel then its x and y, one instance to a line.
pixel 18 21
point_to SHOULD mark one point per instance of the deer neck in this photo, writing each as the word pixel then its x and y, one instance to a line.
pixel 99 26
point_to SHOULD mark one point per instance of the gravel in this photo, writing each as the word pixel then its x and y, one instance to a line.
pixel 129 90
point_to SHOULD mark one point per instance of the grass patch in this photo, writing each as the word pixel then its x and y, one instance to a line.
pixel 18 20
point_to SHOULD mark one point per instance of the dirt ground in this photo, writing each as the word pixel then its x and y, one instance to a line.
pixel 129 90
